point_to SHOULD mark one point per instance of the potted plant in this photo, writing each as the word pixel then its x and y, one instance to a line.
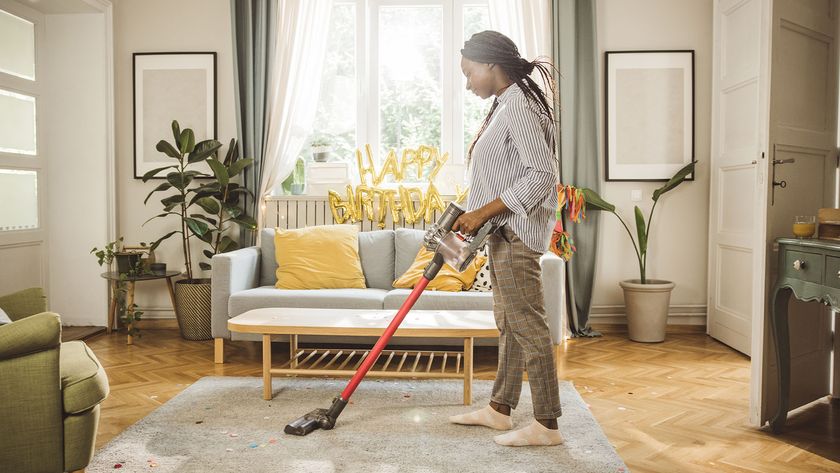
pixel 321 148
pixel 128 262
pixel 126 310
pixel 218 198
pixel 298 178
pixel 646 300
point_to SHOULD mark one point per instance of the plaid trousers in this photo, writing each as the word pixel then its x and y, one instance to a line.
pixel 524 340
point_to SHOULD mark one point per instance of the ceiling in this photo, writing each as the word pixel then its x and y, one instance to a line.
pixel 60 7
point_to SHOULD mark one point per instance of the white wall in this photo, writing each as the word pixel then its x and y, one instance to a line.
pixel 76 120
pixel 679 237
pixel 163 26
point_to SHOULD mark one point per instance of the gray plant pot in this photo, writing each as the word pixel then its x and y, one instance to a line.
pixel 192 308
pixel 127 262
pixel 647 308
pixel 321 157
pixel 298 189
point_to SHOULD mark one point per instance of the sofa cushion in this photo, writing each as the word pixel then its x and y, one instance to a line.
pixel 482 278
pixel 268 264
pixel 319 257
pixel 447 279
pixel 407 243
pixel 376 251
pixel 268 296
pixel 441 300
pixel 83 380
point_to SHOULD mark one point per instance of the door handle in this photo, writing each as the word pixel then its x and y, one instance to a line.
pixel 784 161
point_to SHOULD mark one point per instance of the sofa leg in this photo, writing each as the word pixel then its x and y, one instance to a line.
pixel 220 351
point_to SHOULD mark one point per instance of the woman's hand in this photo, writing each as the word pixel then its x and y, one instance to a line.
pixel 469 222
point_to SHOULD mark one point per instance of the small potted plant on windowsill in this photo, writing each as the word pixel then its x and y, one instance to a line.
pixel 646 300
pixel 298 186
pixel 321 149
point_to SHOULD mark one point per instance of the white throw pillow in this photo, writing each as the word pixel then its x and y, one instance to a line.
pixel 4 318
pixel 482 278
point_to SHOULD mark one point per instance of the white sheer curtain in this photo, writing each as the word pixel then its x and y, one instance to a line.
pixel 526 22
pixel 302 28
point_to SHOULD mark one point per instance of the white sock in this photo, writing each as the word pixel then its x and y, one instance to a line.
pixel 487 417
pixel 533 434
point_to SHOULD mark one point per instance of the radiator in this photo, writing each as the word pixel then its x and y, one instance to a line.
pixel 299 211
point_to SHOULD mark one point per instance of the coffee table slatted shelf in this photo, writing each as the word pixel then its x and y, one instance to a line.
pixel 343 362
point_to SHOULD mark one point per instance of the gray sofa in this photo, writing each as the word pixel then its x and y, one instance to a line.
pixel 244 279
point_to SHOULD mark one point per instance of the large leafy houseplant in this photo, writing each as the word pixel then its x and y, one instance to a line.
pixel 640 242
pixel 205 210
pixel 217 197
pixel 646 300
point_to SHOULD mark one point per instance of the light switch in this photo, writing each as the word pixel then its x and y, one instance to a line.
pixel 636 195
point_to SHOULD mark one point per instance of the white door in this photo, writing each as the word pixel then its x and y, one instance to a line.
pixel 803 143
pixel 738 170
pixel 23 253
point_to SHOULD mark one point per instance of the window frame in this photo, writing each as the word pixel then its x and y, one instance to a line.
pixel 31 88
pixel 452 81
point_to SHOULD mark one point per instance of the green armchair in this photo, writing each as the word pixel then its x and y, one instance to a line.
pixel 49 391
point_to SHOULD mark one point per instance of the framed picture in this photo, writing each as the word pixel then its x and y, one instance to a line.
pixel 172 86
pixel 649 119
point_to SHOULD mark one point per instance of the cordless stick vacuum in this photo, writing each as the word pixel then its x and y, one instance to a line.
pixel 450 248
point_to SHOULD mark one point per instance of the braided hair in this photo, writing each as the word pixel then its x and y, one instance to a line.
pixel 492 47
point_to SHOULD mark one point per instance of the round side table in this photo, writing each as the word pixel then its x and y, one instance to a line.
pixel 114 277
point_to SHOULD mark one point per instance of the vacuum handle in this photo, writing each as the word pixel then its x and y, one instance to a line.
pixel 447 219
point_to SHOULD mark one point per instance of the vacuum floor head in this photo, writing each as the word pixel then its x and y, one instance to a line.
pixel 317 419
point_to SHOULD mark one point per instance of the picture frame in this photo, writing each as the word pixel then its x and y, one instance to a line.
pixel 171 86
pixel 649 114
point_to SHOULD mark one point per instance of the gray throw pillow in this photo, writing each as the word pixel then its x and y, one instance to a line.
pixel 4 318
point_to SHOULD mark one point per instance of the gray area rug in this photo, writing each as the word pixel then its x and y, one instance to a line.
pixel 222 424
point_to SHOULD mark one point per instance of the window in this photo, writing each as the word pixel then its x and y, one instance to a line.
pixel 406 88
pixel 20 153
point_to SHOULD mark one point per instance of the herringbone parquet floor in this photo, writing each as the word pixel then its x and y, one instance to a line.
pixel 677 406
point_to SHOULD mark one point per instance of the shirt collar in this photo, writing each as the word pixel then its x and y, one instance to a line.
pixel 508 93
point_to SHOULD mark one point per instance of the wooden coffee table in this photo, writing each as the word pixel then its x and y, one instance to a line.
pixel 465 324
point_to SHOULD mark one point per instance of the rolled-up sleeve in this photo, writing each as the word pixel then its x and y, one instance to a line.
pixel 536 184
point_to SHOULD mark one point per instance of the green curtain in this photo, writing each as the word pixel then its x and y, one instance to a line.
pixel 575 47
pixel 254 26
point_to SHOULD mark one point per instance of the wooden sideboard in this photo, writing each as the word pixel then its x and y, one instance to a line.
pixel 809 269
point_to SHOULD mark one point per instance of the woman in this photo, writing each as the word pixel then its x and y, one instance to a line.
pixel 512 183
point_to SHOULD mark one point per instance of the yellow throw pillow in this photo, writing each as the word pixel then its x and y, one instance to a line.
pixel 448 279
pixel 322 257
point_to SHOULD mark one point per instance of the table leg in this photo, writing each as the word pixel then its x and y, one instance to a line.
pixel 266 367
pixel 835 390
pixel 129 310
pixel 781 338
pixel 112 309
pixel 293 348
pixel 468 370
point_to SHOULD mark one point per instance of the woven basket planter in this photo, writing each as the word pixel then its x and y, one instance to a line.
pixel 192 308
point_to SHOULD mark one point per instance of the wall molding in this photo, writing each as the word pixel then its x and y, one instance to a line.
pixel 691 314
pixel 686 314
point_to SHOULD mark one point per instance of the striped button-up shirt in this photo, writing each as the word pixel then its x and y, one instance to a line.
pixel 514 160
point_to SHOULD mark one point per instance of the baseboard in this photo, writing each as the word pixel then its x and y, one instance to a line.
pixel 158 323
pixel 159 317
pixel 619 329
pixel 677 315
